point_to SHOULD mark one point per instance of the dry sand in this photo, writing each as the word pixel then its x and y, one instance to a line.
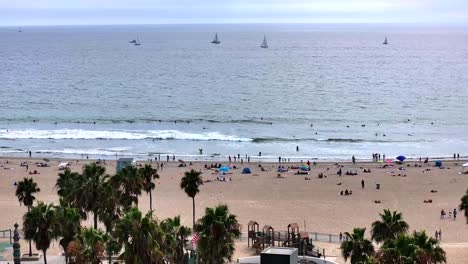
pixel 263 197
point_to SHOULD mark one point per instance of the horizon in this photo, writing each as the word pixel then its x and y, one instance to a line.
pixel 145 12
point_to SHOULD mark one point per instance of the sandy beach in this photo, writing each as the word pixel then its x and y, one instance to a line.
pixel 267 199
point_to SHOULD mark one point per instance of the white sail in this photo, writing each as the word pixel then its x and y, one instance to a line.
pixel 216 39
pixel 264 43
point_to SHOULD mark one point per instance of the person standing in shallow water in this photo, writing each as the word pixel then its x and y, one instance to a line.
pixel 297 148
pixel 354 159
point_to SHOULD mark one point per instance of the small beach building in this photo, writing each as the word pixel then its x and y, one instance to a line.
pixel 279 255
pixel 124 162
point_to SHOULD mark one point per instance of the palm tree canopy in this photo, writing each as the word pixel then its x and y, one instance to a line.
pixel 148 174
pixel 389 227
pixel 65 185
pixel 416 248
pixel 69 220
pixel 40 225
pixel 190 183
pixel 356 247
pixel 175 239
pixel 25 191
pixel 130 182
pixel 464 204
pixel 217 230
pixel 139 236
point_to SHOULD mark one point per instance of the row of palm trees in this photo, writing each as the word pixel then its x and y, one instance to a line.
pixel 397 246
pixel 113 201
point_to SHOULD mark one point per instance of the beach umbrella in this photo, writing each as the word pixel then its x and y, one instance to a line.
pixel 304 168
pixel 224 168
pixel 401 158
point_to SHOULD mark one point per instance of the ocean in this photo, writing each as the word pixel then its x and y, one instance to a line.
pixel 332 90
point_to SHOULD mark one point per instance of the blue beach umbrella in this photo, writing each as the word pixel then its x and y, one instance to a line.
pixel 224 168
pixel 401 158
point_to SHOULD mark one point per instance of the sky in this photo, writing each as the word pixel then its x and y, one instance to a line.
pixel 97 12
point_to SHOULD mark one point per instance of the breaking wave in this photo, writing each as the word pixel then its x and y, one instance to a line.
pixel 116 134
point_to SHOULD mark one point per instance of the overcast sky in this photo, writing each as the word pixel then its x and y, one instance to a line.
pixel 87 12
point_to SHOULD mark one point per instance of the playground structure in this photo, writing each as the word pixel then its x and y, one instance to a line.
pixel 292 237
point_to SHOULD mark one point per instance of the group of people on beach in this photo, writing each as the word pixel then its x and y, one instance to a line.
pixel 376 157
pixel 454 213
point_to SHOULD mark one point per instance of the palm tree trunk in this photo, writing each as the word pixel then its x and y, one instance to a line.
pixel 30 247
pixel 95 219
pixel 151 202
pixel 45 256
pixel 193 210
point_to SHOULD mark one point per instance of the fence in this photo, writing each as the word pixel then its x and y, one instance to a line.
pixel 314 236
pixel 6 234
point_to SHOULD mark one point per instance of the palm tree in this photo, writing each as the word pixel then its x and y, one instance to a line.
pixel 389 227
pixel 88 189
pixel 216 231
pixel 65 185
pixel 140 236
pixel 130 183
pixel 356 246
pixel 25 191
pixel 175 238
pixel 90 246
pixel 69 226
pixel 149 174
pixel 429 249
pixel 109 214
pixel 400 250
pixel 40 225
pixel 464 205
pixel 190 183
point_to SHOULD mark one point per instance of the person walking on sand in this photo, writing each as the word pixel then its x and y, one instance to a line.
pixel 362 184
pixel 436 235
pixel 454 214
pixel 353 159
pixel 440 234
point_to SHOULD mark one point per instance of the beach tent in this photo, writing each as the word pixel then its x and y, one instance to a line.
pixel 246 171
pixel 465 166
pixel 438 163
pixel 401 158
pixel 224 169
pixel 63 165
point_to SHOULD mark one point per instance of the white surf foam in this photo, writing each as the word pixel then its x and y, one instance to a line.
pixel 114 134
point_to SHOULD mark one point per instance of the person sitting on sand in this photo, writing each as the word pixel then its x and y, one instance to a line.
pixel 341 193
pixel 442 214
pixel 346 192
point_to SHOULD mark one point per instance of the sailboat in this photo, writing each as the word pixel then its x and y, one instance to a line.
pixel 216 39
pixel 137 42
pixel 264 43
pixel 385 41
